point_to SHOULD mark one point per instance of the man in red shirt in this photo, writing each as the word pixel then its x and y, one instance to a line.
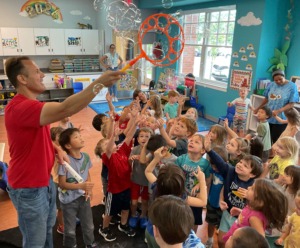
pixel 31 150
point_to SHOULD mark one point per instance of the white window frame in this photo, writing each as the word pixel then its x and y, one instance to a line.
pixel 214 84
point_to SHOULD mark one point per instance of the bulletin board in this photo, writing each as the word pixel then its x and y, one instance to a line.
pixel 240 78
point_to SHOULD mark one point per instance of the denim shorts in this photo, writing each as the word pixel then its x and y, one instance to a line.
pixel 36 209
pixel 226 221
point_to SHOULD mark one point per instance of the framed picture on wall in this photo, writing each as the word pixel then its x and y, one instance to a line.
pixel 240 78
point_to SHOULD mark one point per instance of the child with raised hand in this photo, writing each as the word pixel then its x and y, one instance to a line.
pixel 154 103
pixel 218 135
pixel 171 109
pixel 139 182
pixel 267 206
pixel 237 148
pixel 246 237
pixel 75 196
pixel 291 237
pixel 236 180
pixel 181 130
pixel 172 221
pixel 118 192
pixel 189 163
pixel 171 181
pixel 213 210
pixel 242 104
pixel 286 153
pixel 291 181
pixel 293 122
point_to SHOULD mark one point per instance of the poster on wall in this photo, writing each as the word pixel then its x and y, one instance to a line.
pixel 41 41
pixel 9 42
pixel 74 41
pixel 240 78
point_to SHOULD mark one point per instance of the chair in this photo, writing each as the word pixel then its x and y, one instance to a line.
pixel 229 115
pixel 77 86
pixel 198 106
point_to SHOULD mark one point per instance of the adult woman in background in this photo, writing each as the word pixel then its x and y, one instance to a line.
pixel 280 95
pixel 112 61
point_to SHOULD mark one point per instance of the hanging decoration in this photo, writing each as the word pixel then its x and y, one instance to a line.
pixel 33 8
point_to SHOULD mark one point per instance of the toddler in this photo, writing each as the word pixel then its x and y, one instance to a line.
pixel 75 196
pixel 139 182
pixel 172 107
pixel 286 150
pixel 242 104
pixel 263 130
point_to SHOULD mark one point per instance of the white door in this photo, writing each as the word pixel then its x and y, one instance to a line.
pixel 57 38
pixel 42 41
pixel 73 41
pixel 252 121
pixel 10 41
pixel 90 42
pixel 26 38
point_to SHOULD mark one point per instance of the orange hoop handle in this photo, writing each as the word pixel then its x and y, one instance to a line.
pixel 132 62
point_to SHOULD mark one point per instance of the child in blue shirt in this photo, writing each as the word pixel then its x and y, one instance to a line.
pixel 75 196
pixel 236 181
pixel 213 210
pixel 189 163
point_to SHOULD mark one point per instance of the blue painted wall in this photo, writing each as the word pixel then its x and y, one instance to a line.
pixel 264 38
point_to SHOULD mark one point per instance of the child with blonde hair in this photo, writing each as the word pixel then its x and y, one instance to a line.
pixel 242 104
pixel 286 153
pixel 237 148
pixel 192 113
pixel 291 237
pixel 266 206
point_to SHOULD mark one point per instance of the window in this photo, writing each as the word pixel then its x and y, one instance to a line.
pixel 208 45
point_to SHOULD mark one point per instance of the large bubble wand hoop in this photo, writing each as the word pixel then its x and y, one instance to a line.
pixel 163 24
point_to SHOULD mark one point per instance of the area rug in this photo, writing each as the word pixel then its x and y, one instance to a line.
pixel 203 124
pixel 12 238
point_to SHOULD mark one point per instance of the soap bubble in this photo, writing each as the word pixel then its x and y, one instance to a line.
pixel 167 4
pixel 123 16
pixel 99 4
pixel 128 82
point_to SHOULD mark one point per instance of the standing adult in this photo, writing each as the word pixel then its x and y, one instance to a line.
pixel 280 95
pixel 27 122
pixel 112 61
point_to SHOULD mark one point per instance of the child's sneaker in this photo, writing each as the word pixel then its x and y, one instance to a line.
pixel 126 229
pixel 60 229
pixel 143 222
pixel 133 221
pixel 107 234
pixel 94 245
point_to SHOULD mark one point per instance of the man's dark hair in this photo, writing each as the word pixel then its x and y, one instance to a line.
pixel 14 66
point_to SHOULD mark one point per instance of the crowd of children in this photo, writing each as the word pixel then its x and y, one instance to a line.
pixel 154 159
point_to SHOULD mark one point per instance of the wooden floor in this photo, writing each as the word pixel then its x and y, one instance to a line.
pixel 8 215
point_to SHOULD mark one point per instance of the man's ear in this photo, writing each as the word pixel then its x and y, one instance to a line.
pixel 21 79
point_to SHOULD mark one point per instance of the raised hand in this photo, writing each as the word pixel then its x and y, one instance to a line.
pixel 223 205
pixel 160 152
pixel 108 97
pixel 207 143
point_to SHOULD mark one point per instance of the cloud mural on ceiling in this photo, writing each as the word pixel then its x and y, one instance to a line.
pixel 249 20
